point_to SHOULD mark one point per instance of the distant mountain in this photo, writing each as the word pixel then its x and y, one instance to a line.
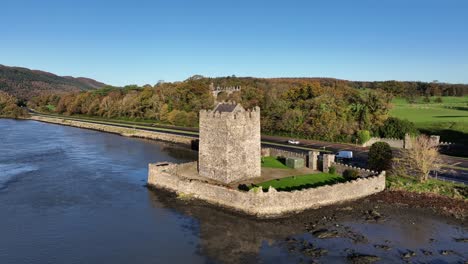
pixel 25 83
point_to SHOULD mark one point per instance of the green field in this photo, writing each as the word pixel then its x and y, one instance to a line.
pixel 301 182
pixel 448 119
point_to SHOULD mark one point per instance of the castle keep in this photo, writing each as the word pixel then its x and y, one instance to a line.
pixel 230 155
pixel 229 148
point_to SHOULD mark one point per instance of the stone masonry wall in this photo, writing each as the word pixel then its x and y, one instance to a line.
pixel 393 142
pixel 229 148
pixel 309 156
pixel 127 132
pixel 259 203
pixel 277 152
pixel 362 172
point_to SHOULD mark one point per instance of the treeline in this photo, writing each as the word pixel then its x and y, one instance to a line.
pixel 325 109
pixel 412 90
pixel 10 107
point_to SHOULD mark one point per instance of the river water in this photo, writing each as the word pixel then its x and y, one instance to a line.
pixel 70 195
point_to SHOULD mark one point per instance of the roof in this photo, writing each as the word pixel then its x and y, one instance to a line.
pixel 227 107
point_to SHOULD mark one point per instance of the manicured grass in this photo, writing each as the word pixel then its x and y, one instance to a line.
pixel 453 190
pixel 448 119
pixel 301 182
pixel 273 162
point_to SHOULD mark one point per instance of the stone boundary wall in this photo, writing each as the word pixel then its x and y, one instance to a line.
pixel 271 151
pixel 340 167
pixel 127 132
pixel 404 143
pixel 393 142
pixel 263 204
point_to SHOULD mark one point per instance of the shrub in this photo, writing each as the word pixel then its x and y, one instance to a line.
pixel 350 174
pixel 380 156
pixel 243 187
pixel 438 100
pixel 332 170
pixel 363 136
pixel 397 128
pixel 426 99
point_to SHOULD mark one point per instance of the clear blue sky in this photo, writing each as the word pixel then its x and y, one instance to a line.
pixel 139 42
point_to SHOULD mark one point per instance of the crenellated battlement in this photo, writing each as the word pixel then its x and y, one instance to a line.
pixel 237 112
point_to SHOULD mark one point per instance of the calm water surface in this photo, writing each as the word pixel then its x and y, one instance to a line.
pixel 70 195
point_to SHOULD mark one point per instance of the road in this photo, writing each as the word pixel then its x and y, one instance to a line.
pixel 454 168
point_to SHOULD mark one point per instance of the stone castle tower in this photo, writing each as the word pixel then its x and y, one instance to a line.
pixel 229 147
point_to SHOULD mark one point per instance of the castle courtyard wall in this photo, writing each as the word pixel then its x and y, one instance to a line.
pixel 263 204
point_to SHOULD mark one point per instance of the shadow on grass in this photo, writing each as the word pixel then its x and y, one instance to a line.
pixel 447 135
pixel 451 116
pixel 461 108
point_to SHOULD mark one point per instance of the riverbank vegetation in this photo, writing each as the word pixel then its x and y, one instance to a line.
pixel 434 186
pixel 320 108
pixel 10 107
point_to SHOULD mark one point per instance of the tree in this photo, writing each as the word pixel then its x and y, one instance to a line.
pixel 422 158
pixel 380 156
pixel 363 136
pixel 292 119
pixel 397 128
pixel 9 107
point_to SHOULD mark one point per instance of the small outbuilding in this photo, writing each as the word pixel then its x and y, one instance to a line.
pixel 295 163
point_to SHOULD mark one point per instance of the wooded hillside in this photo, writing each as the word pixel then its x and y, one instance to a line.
pixel 25 83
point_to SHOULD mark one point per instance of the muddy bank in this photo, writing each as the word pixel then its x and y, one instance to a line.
pixel 377 228
pixel 438 204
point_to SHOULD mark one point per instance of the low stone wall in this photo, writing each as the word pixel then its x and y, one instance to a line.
pixel 362 172
pixel 263 204
pixel 309 156
pixel 127 132
pixel 393 142
pixel 277 152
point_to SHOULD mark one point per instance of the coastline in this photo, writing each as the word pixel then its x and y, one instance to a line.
pixel 439 204
pixel 123 131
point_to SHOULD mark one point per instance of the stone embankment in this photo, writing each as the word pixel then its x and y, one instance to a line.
pixel 256 202
pixel 123 131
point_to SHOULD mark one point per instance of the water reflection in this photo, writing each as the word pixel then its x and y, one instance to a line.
pixel 227 237
pixel 71 195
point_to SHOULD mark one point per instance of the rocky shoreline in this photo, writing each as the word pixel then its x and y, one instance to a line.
pixel 391 226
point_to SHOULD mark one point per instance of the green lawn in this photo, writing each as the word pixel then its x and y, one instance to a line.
pixel 301 182
pixel 445 188
pixel 273 162
pixel 448 119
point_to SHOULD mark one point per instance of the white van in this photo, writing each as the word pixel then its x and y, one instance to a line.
pixel 344 154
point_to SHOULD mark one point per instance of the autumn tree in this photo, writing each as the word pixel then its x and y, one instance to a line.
pixel 422 158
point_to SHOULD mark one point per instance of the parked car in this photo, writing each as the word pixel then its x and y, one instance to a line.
pixel 344 154
pixel 293 141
